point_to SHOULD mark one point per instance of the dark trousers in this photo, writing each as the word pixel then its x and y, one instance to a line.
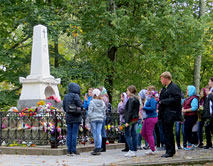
pixel 200 131
pixel 162 137
pixel 169 137
pixel 157 135
pixel 188 125
pixel 209 131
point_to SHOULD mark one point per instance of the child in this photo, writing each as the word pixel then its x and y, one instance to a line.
pixel 96 114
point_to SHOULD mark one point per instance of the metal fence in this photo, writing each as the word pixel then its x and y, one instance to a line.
pixel 27 128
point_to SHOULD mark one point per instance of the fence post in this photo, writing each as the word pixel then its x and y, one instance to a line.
pixel 54 135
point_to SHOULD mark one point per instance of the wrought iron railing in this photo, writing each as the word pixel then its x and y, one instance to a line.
pixel 27 128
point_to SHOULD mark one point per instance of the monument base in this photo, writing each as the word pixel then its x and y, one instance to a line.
pixel 33 103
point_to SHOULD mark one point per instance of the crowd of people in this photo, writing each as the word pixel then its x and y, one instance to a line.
pixel 148 115
pixel 96 102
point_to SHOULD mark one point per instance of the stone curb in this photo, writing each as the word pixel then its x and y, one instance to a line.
pixel 168 163
pixel 54 152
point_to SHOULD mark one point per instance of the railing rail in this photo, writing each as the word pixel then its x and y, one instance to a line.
pixel 45 128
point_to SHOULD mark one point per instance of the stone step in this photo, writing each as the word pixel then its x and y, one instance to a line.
pixel 46 150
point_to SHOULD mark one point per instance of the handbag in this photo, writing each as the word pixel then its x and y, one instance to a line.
pixel 74 109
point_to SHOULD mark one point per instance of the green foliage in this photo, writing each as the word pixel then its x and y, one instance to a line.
pixel 148 37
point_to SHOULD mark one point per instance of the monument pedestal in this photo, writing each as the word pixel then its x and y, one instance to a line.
pixel 29 103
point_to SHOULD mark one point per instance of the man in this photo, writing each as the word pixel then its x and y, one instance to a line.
pixel 211 84
pixel 169 110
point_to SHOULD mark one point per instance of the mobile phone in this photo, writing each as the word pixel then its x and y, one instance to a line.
pixel 87 94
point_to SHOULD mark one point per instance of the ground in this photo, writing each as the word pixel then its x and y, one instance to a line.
pixel 111 157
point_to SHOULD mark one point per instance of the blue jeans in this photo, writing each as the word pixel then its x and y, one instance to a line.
pixel 177 133
pixel 96 127
pixel 139 136
pixel 72 134
pixel 131 136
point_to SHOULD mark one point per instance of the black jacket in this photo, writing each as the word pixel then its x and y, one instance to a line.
pixel 73 97
pixel 206 109
pixel 170 103
pixel 131 109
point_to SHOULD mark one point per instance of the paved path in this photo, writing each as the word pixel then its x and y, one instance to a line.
pixel 111 157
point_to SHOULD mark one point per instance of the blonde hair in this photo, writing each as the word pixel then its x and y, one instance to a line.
pixel 167 75
pixel 97 97
pixel 90 89
pixel 151 88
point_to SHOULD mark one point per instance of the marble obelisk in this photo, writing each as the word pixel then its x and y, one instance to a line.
pixel 39 85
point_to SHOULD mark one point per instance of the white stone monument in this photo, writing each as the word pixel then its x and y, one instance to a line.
pixel 39 85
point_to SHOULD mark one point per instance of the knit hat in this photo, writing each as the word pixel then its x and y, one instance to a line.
pixel 104 91
pixel 142 94
pixel 96 92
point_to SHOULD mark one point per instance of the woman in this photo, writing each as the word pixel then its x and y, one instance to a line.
pixel 150 120
pixel 105 98
pixel 73 120
pixel 96 114
pixel 131 118
pixel 121 109
pixel 190 110
pixel 200 117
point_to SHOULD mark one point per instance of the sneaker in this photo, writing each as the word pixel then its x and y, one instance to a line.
pixel 179 147
pixel 76 153
pixel 150 152
pixel 146 147
pixel 95 153
pixel 130 154
pixel 139 148
pixel 190 147
pixel 69 154
pixel 125 150
pixel 200 145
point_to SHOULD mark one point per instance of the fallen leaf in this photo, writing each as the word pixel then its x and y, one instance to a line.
pixel 64 164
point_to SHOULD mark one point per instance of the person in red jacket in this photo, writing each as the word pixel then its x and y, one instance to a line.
pixel 190 110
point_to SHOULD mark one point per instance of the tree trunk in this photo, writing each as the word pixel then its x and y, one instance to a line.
pixel 56 53
pixel 108 83
pixel 109 78
pixel 198 59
